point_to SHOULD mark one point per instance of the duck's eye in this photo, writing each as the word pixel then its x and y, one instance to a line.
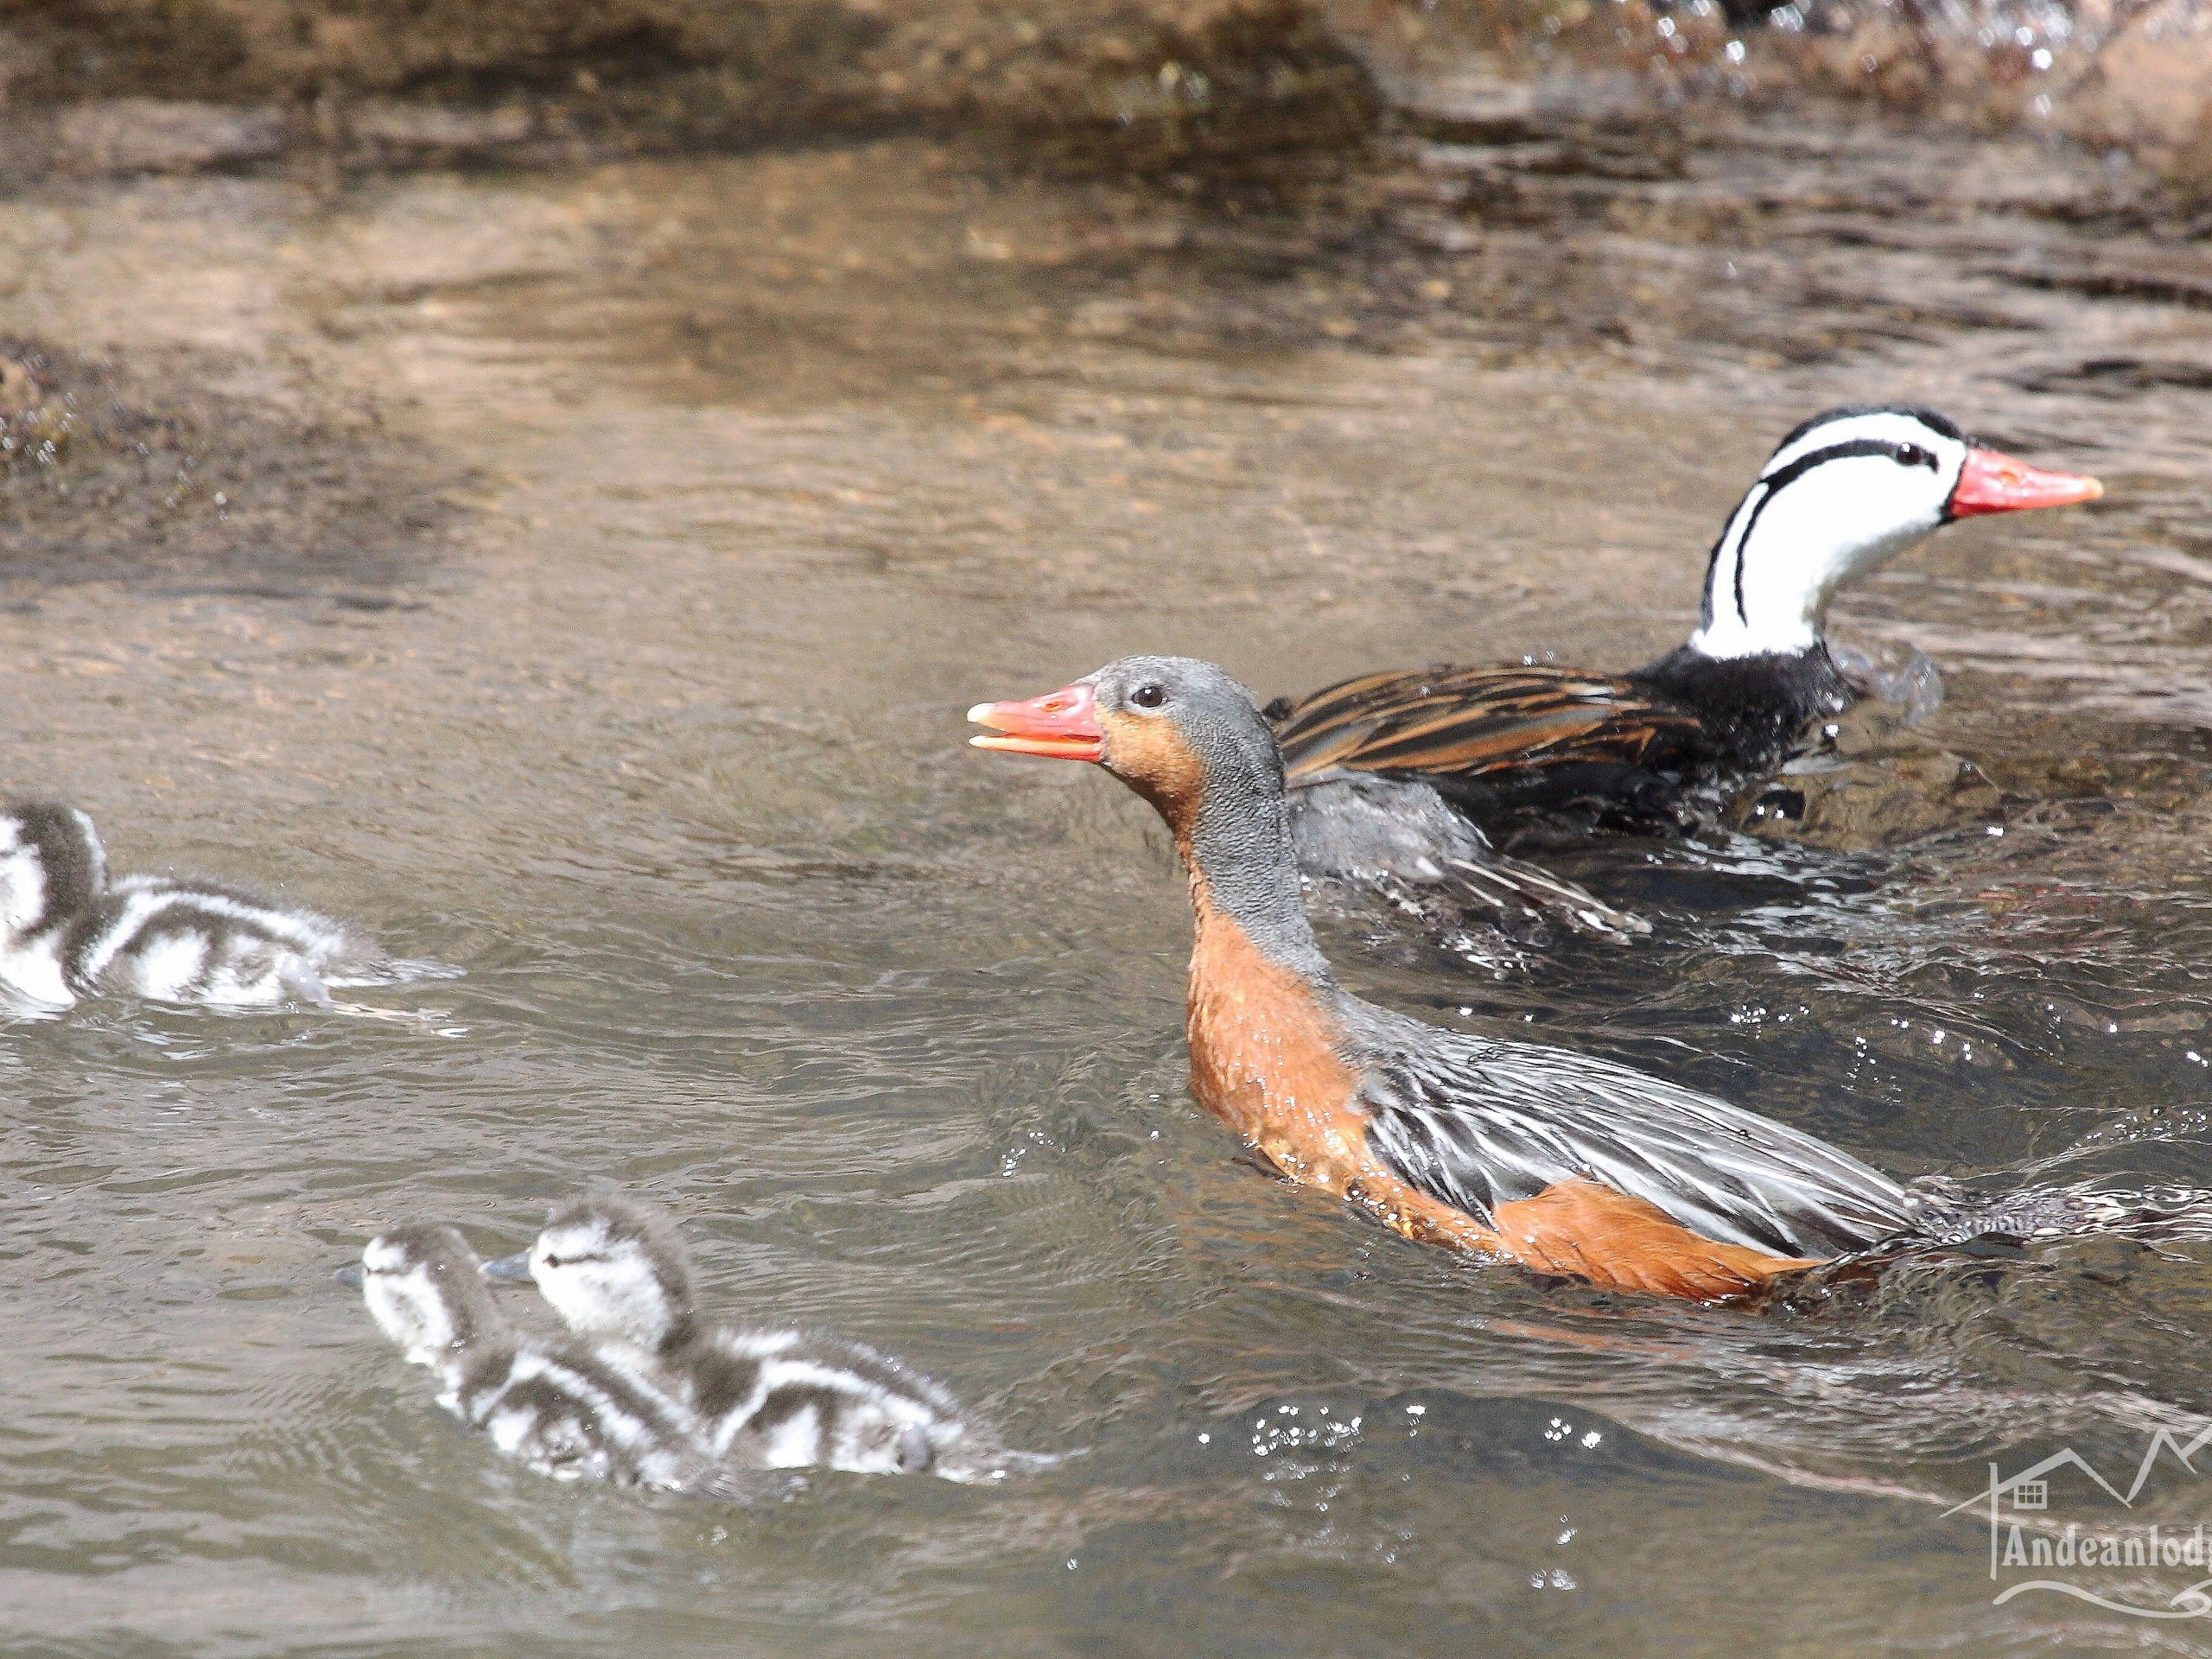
pixel 1149 696
pixel 1912 454
pixel 553 1262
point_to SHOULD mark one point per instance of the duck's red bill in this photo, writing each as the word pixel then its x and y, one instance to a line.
pixel 1992 481
pixel 1061 725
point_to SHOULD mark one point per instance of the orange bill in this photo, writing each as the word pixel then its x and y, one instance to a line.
pixel 1993 482
pixel 1061 725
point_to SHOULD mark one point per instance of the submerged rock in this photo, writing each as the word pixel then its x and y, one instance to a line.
pixel 1869 782
pixel 153 465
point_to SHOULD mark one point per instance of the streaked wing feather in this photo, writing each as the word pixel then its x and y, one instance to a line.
pixel 1467 721
pixel 1477 1124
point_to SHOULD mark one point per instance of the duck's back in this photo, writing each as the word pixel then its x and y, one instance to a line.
pixel 781 1399
pixel 1496 738
pixel 198 941
pixel 567 1413
pixel 1501 741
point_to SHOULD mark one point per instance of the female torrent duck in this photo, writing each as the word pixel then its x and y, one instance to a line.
pixel 67 931
pixel 1841 495
pixel 620 1278
pixel 1567 1164
pixel 555 1407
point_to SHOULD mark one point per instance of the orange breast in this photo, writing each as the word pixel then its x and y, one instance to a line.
pixel 1265 1058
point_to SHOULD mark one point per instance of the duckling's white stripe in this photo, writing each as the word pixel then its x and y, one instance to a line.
pixel 622 1426
pixel 142 907
pixel 795 1442
pixel 34 971
pixel 603 1434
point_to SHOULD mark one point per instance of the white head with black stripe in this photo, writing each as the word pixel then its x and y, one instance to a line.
pixel 1841 495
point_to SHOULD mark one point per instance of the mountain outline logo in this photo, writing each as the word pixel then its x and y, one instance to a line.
pixel 2033 1544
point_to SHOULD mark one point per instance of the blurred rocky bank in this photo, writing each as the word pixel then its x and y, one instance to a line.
pixel 1130 86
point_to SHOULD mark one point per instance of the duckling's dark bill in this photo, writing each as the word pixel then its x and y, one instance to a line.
pixel 1991 481
pixel 1061 725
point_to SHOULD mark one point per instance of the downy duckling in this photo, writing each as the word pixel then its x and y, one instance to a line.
pixel 618 1275
pixel 555 1405
pixel 67 931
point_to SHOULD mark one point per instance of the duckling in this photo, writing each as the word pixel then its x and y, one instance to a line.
pixel 768 1399
pixel 67 931
pixel 555 1405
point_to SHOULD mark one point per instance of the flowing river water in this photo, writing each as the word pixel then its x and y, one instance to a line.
pixel 740 479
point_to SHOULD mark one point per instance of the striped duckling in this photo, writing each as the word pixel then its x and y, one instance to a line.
pixel 554 1406
pixel 66 930
pixel 768 1399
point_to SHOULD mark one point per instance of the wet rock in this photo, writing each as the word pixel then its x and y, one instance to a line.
pixel 19 387
pixel 1869 782
pixel 1147 82
pixel 431 128
pixel 2150 87
pixel 143 469
pixel 35 424
pixel 142 135
pixel 1157 82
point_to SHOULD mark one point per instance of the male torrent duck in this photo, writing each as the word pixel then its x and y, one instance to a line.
pixel 555 1407
pixel 618 1275
pixel 1568 1164
pixel 1842 494
pixel 67 931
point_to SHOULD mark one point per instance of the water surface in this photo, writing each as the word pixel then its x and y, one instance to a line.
pixel 771 467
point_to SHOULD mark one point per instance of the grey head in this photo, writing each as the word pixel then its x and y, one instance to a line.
pixel 1189 738
pixel 425 1288
pixel 1179 730
pixel 614 1269
pixel 53 868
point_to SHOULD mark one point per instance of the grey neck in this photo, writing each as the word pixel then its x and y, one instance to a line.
pixel 1239 845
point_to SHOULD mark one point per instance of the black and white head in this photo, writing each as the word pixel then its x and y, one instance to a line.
pixel 615 1270
pixel 53 868
pixel 425 1288
pixel 1841 495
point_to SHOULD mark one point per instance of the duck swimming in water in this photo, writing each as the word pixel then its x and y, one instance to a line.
pixel 620 1278
pixel 1567 1164
pixel 66 931
pixel 556 1407
pixel 1410 751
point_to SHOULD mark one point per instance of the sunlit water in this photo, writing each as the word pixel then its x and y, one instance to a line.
pixel 774 465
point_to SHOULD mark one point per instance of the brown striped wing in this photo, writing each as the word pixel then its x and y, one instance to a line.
pixel 1469 722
